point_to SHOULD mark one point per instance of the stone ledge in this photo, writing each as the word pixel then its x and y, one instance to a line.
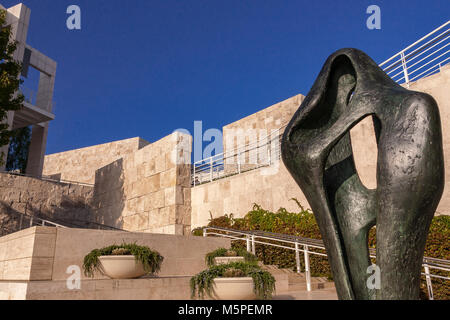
pixel 151 288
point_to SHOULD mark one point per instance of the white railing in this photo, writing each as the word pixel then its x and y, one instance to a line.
pixel 299 244
pixel 26 221
pixel 423 58
pixel 256 154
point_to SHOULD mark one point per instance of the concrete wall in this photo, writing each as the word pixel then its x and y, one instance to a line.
pixel 270 118
pixel 148 190
pixel 271 187
pixel 28 254
pixel 64 203
pixel 80 164
pixel 34 262
pixel 45 253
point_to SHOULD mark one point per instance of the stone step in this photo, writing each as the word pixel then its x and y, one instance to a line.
pixel 314 285
pixel 325 294
pixel 288 280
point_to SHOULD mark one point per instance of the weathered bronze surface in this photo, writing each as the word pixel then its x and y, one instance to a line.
pixel 316 149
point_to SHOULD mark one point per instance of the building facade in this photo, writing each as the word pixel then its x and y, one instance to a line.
pixel 38 106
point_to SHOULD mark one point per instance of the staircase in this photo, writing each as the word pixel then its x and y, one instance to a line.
pixel 291 285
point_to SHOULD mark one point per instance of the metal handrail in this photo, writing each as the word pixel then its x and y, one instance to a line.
pixel 438 39
pixel 251 236
pixel 213 168
pixel 36 221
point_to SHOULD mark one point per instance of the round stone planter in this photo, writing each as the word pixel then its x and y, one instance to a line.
pixel 121 267
pixel 234 288
pixel 226 260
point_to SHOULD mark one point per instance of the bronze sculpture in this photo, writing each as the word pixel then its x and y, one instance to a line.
pixel 316 149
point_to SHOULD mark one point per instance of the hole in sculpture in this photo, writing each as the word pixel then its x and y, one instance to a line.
pixel 365 152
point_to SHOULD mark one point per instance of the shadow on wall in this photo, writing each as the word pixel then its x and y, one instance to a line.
pixel 66 204
pixel 9 219
pixel 108 200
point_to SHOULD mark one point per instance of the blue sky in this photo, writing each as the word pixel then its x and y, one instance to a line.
pixel 146 67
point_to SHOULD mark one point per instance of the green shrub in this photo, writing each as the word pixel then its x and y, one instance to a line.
pixel 303 224
pixel 197 232
pixel 150 259
pixel 222 252
pixel 202 284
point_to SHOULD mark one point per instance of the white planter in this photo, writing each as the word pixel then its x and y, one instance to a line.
pixel 121 267
pixel 240 288
pixel 226 260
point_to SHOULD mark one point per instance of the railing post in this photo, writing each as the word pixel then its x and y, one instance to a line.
pixel 429 286
pixel 31 222
pixel 405 68
pixel 20 222
pixel 210 169
pixel 248 243
pixel 307 273
pixel 297 257
pixel 253 244
pixel 43 222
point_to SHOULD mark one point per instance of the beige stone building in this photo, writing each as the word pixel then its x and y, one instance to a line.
pixel 141 186
pixel 37 111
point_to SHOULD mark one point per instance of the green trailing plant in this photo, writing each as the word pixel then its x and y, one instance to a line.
pixel 202 284
pixel 150 259
pixel 235 252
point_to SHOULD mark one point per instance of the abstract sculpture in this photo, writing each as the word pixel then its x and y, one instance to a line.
pixel 317 151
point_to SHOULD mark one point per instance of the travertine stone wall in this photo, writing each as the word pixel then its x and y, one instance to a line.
pixel 148 190
pixel 257 129
pixel 271 187
pixel 28 254
pixel 80 164
pixel 45 253
pixel 67 204
pixel 270 118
